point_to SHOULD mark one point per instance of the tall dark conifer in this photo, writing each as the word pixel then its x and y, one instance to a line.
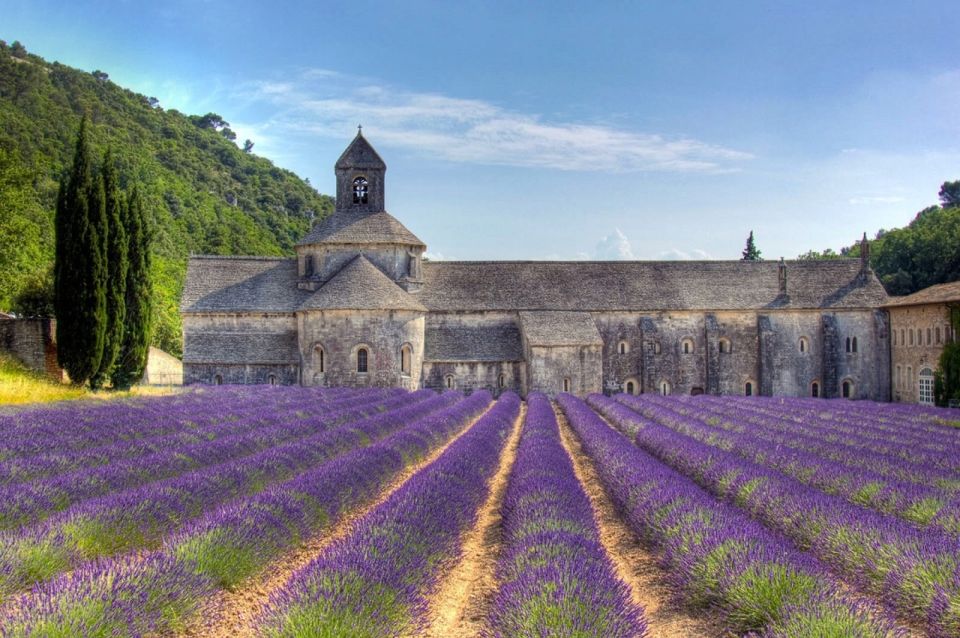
pixel 116 253
pixel 80 267
pixel 132 359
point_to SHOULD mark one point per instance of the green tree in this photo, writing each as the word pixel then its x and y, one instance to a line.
pixel 946 384
pixel 132 359
pixel 750 253
pixel 950 194
pixel 80 269
pixel 116 271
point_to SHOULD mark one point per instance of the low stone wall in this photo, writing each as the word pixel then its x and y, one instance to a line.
pixel 32 341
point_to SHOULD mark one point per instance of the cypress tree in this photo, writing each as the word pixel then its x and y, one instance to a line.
pixel 750 252
pixel 116 271
pixel 80 267
pixel 132 359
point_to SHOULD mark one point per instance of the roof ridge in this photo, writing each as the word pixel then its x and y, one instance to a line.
pixel 242 257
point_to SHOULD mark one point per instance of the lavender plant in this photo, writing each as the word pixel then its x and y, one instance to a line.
pixel 375 582
pixel 716 555
pixel 554 576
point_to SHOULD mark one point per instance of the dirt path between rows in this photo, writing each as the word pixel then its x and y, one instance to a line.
pixel 636 565
pixel 231 614
pixel 461 604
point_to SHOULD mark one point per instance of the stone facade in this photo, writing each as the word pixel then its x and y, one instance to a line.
pixel 920 326
pixel 359 283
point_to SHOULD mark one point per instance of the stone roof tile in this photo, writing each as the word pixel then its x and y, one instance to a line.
pixel 458 342
pixel 560 328
pixel 938 294
pixel 356 227
pixel 236 284
pixel 241 347
pixel 645 285
pixel 361 286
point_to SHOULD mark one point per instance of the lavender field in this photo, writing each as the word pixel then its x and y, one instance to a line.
pixel 285 512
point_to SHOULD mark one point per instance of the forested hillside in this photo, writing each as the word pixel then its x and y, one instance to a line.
pixel 923 253
pixel 203 193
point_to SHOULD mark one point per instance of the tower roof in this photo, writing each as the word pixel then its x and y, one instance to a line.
pixel 361 286
pixel 360 154
pixel 345 227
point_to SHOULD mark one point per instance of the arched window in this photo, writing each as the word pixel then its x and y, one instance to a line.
pixel 319 362
pixel 899 379
pixel 911 336
pixel 848 345
pixel 664 388
pixel 406 355
pixel 502 381
pixel 854 344
pixel 448 381
pixel 362 360
pixel 894 342
pixel 218 380
pixel 815 390
pixel 725 346
pixel 929 337
pixel 846 390
pixel 686 346
pixel 925 387
pixel 308 266
pixel 623 347
pixel 656 347
pixel 903 341
pixel 566 384
pixel 748 389
pixel 360 188
pixel 804 345
pixel 910 377
pixel 938 334
pixel 631 388
pixel 272 380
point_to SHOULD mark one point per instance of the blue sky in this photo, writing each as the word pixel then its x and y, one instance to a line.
pixel 535 130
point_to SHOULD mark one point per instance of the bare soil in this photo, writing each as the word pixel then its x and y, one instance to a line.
pixel 232 614
pixel 461 604
pixel 635 564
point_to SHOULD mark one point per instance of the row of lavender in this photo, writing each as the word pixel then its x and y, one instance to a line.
pixel 717 555
pixel 176 427
pixel 158 591
pixel 929 499
pixel 377 580
pixel 915 572
pixel 899 438
pixel 554 576
pixel 33 501
pixel 82 425
pixel 140 517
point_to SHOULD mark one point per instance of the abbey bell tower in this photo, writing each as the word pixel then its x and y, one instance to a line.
pixel 360 173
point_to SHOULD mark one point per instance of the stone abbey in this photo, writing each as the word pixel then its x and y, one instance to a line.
pixel 359 306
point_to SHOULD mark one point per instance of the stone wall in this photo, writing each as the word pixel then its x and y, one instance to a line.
pixel 468 376
pixel 341 333
pixel 32 341
pixel 912 351
pixel 239 374
pixel 547 367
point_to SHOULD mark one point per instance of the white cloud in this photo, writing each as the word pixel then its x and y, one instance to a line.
pixel 675 254
pixel 325 103
pixel 614 246
pixel 435 256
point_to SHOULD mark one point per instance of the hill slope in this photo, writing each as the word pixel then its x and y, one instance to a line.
pixel 203 193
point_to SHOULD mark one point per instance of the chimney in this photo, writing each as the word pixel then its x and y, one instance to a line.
pixel 864 255
pixel 782 276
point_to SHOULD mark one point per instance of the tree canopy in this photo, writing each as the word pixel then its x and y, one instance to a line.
pixel 750 252
pixel 201 193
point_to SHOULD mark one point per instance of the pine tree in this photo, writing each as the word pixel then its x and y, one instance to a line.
pixel 80 267
pixel 132 359
pixel 116 271
pixel 750 253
